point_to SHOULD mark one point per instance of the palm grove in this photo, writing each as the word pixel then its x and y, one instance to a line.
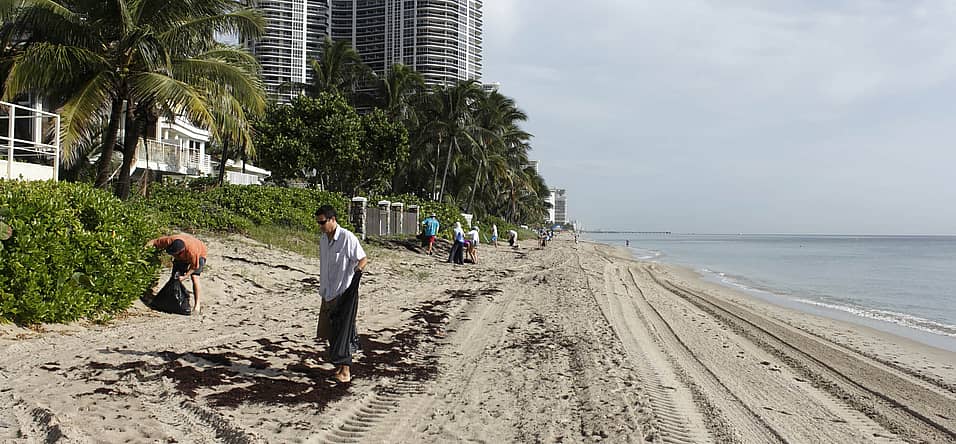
pixel 112 68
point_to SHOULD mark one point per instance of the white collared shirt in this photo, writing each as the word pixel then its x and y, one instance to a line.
pixel 337 261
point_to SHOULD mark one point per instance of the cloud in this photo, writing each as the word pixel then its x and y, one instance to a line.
pixel 501 19
pixel 820 103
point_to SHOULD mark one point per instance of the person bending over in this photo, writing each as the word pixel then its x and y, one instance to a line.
pixel 189 259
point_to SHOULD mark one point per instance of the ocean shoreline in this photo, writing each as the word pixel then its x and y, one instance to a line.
pixel 896 323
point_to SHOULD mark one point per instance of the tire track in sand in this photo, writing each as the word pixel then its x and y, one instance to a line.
pixel 854 423
pixel 667 395
pixel 904 406
pixel 674 388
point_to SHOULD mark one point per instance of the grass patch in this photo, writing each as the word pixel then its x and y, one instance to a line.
pixel 296 240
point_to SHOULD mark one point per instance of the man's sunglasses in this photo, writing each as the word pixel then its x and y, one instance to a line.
pixel 322 222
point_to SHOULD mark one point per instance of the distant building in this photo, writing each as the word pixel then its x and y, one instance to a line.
pixel 559 201
pixel 317 28
pixel 293 35
pixel 490 87
pixel 550 201
pixel 441 39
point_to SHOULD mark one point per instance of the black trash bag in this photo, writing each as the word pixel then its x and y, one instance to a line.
pixel 173 298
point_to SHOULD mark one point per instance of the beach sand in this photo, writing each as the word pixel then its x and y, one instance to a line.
pixel 570 343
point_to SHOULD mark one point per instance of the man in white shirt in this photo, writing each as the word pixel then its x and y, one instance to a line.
pixel 342 261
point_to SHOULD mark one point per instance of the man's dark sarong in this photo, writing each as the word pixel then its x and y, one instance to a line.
pixel 457 254
pixel 343 339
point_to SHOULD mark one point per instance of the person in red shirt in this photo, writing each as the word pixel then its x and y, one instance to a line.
pixel 189 259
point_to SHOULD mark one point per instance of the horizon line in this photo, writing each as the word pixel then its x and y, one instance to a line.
pixel 606 231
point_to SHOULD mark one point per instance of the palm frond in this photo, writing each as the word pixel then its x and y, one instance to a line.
pixel 245 86
pixel 246 24
pixel 84 113
pixel 151 87
pixel 31 70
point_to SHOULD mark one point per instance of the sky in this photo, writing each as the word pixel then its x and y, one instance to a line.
pixel 737 116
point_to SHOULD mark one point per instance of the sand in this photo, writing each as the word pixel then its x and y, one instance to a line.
pixel 571 343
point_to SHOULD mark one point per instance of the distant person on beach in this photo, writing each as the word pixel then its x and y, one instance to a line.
pixel 473 242
pixel 189 259
pixel 457 254
pixel 627 243
pixel 341 263
pixel 494 235
pixel 513 238
pixel 430 230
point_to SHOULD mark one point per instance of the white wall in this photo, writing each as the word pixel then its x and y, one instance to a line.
pixel 28 171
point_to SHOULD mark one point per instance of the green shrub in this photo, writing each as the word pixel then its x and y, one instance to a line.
pixel 191 210
pixel 75 252
pixel 288 207
pixel 237 208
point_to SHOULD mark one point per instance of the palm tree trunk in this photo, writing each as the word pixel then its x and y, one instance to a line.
pixel 130 138
pixel 109 141
pixel 444 177
pixel 147 174
pixel 437 159
pixel 474 187
pixel 222 164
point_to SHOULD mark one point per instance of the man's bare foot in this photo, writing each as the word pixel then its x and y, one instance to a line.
pixel 343 379
pixel 343 375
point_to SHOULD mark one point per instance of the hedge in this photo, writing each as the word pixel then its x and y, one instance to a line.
pixel 75 252
pixel 236 208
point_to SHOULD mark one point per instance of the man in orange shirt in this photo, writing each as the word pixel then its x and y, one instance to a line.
pixel 189 259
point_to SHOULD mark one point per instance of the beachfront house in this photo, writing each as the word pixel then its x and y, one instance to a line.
pixel 178 149
pixel 30 140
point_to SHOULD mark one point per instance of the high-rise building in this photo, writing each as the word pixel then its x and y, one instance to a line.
pixel 441 39
pixel 559 211
pixel 294 33
pixel 318 23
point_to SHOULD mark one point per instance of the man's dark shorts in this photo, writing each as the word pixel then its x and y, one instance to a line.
pixel 180 268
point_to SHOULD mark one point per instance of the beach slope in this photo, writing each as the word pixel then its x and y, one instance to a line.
pixel 570 343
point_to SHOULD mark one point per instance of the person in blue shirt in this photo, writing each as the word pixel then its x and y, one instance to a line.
pixel 431 227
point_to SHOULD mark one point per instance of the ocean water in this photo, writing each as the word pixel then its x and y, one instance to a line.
pixel 905 285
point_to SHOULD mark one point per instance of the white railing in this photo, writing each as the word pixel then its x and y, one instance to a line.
pixel 172 158
pixel 243 178
pixel 35 154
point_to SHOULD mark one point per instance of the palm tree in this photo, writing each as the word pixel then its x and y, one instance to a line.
pixel 397 90
pixel 126 60
pixel 495 132
pixel 339 70
pixel 449 118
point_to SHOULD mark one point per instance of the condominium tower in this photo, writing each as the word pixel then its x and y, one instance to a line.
pixel 559 211
pixel 293 36
pixel 441 39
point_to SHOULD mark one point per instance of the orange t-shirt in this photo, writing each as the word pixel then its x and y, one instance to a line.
pixel 194 250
